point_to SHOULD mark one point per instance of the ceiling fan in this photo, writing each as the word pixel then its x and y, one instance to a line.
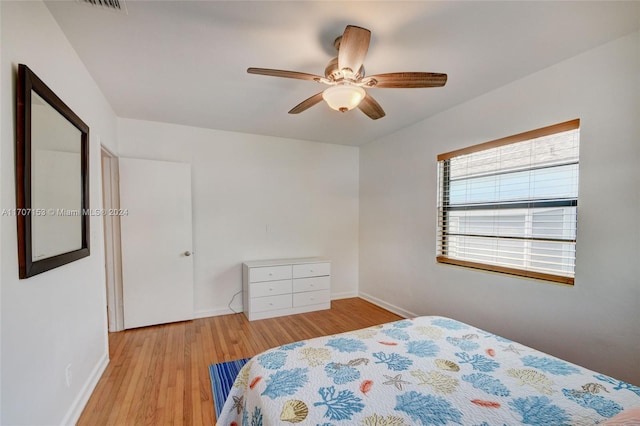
pixel 346 79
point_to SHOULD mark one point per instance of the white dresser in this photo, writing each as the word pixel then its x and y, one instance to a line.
pixel 272 288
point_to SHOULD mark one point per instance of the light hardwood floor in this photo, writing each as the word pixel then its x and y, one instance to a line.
pixel 159 375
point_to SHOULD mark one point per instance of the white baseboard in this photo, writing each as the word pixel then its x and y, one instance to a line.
pixel 388 306
pixel 205 313
pixel 344 295
pixel 74 412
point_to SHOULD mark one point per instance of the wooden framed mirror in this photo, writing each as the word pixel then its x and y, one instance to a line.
pixel 52 179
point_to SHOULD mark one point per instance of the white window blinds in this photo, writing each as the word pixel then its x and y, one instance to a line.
pixel 511 205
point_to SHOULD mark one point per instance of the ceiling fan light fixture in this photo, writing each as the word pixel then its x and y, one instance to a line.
pixel 346 90
pixel 343 97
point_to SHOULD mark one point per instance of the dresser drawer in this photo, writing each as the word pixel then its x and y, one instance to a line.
pixel 269 273
pixel 310 298
pixel 269 303
pixel 311 269
pixel 310 284
pixel 270 288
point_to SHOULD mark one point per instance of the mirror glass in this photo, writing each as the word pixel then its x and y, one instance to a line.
pixel 52 179
pixel 56 182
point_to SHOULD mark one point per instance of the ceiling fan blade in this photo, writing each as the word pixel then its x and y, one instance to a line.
pixel 285 74
pixel 306 104
pixel 407 80
pixel 372 108
pixel 353 47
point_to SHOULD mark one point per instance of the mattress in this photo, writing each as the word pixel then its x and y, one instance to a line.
pixel 422 371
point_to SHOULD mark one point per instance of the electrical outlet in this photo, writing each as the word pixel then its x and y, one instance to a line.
pixel 68 375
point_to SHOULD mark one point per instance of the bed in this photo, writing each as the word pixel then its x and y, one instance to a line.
pixel 422 371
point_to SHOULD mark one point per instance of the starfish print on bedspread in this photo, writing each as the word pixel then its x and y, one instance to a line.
pixel 237 404
pixel 512 348
pixel 395 381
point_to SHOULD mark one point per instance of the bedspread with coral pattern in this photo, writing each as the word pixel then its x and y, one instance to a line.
pixel 423 371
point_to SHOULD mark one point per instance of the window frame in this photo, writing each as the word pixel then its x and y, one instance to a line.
pixel 443 204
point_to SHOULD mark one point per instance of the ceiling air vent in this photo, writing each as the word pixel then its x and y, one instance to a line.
pixel 115 5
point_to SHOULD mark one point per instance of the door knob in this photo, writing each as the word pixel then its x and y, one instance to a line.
pixel 187 253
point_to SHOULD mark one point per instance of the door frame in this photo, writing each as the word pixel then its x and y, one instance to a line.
pixel 112 247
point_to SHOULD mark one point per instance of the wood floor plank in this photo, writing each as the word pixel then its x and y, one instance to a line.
pixel 159 375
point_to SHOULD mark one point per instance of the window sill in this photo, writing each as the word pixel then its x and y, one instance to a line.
pixel 505 270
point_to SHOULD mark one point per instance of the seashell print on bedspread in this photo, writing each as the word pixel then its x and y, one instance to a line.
pixel 421 371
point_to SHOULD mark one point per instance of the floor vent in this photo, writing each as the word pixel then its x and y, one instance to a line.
pixel 115 5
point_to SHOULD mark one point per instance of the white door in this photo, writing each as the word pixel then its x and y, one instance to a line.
pixel 157 266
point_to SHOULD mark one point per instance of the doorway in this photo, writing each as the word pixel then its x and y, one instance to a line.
pixel 112 246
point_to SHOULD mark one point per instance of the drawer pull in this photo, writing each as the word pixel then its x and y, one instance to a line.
pixel 270 274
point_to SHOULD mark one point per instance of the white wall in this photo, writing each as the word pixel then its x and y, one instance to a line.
pixel 595 323
pixel 58 317
pixel 2 113
pixel 257 197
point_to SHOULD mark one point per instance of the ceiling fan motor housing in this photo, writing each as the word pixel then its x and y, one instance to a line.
pixel 333 72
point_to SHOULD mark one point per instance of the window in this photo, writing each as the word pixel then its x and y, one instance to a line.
pixel 510 205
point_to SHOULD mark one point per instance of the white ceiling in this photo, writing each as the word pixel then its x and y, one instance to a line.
pixel 185 61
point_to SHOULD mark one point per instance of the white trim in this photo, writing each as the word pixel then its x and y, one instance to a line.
pixel 112 246
pixel 74 412
pixel 104 148
pixel 206 313
pixel 289 311
pixel 344 295
pixel 388 306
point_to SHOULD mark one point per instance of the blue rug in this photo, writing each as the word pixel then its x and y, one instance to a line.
pixel 222 377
